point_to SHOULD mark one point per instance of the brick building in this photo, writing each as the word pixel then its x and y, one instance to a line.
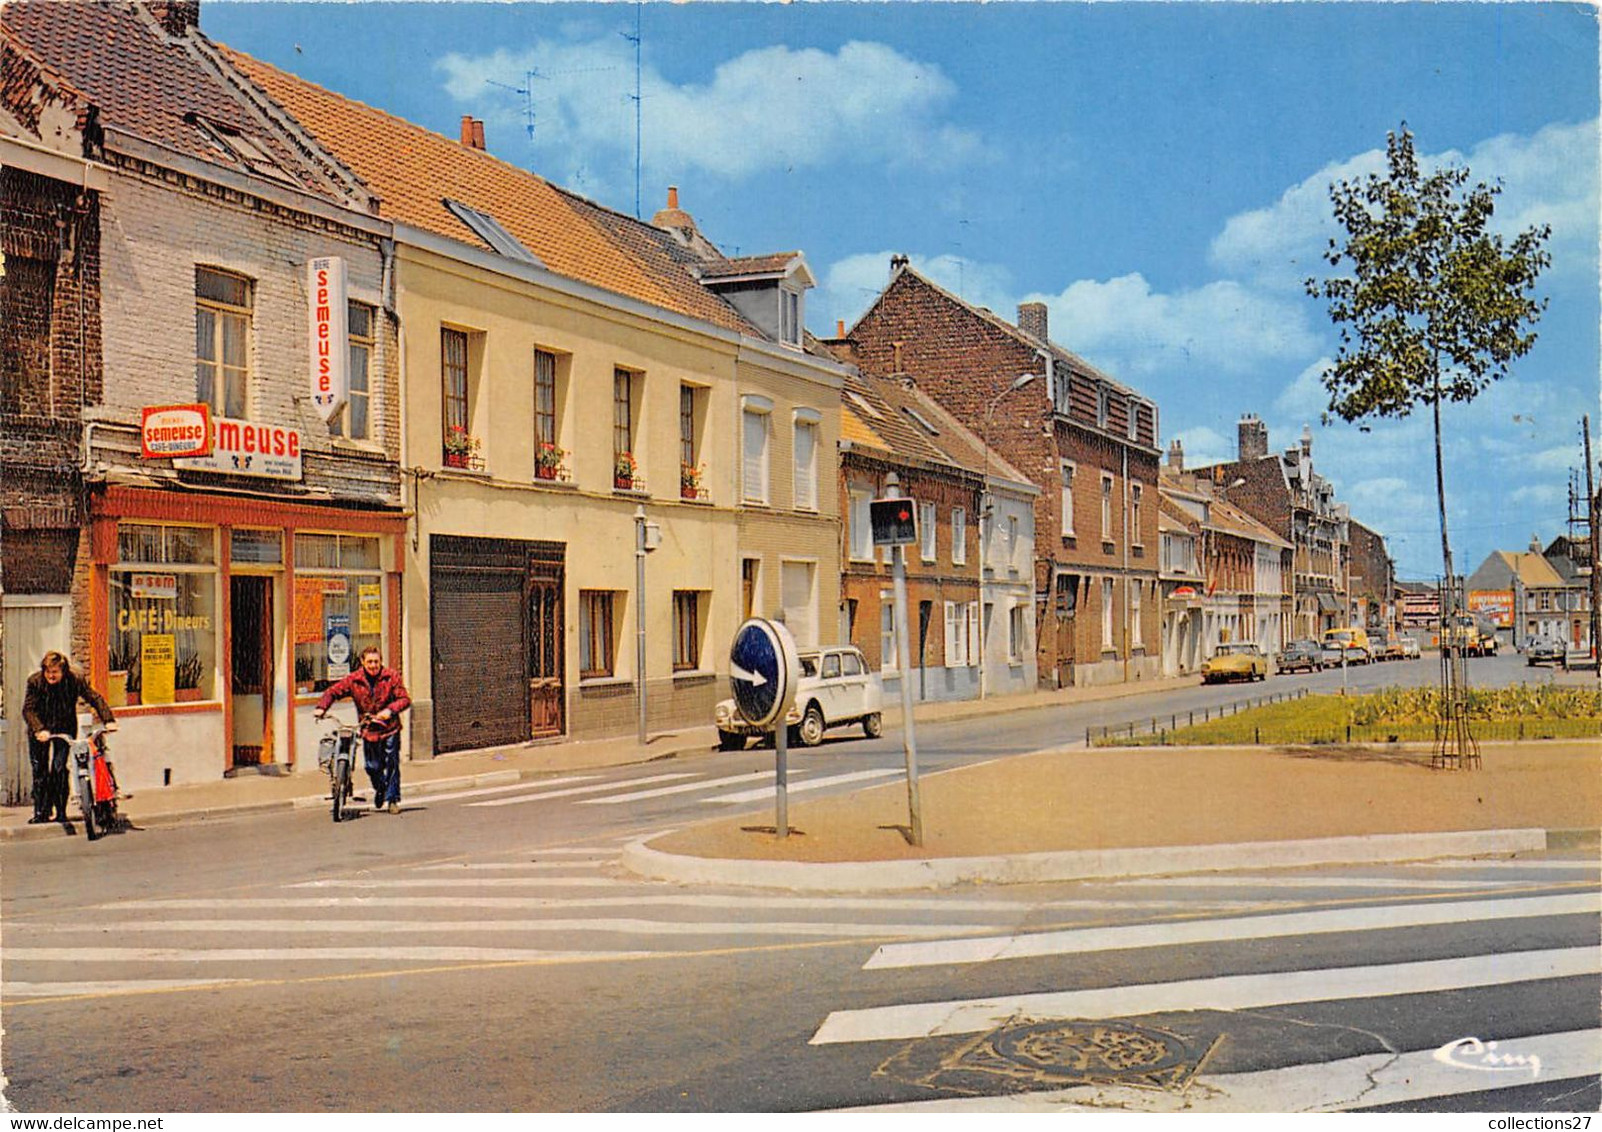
pixel 970 600
pixel 1371 580
pixel 212 591
pixel 1088 442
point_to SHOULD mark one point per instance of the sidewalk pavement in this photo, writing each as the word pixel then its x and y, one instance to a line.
pixel 504 765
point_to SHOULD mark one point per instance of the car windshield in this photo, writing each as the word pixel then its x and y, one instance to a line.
pixel 1337 636
pixel 1242 649
pixel 809 666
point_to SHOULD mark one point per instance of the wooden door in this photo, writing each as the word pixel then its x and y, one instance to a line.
pixel 546 693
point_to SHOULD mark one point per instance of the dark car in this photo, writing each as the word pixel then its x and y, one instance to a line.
pixel 1300 655
pixel 1544 650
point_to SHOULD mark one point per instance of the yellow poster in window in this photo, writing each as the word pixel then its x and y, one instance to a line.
pixel 158 663
pixel 369 609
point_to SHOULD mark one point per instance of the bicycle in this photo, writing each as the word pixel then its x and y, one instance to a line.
pixel 335 753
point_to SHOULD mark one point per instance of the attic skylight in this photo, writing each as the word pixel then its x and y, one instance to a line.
pixel 858 401
pixel 489 229
pixel 244 150
pixel 920 420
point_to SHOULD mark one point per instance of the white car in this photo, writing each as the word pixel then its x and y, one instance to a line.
pixel 835 689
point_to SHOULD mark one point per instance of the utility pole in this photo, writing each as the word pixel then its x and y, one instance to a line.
pixel 1594 512
pixel 909 739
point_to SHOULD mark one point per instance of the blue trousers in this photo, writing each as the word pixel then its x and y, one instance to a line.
pixel 382 757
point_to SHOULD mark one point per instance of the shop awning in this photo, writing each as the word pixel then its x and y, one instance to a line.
pixel 1327 603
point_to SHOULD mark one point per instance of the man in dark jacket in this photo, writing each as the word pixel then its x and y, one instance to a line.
pixel 380 697
pixel 50 706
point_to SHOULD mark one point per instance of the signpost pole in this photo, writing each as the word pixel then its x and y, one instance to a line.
pixel 781 778
pixel 909 738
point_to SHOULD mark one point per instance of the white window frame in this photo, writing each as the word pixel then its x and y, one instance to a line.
pixel 888 661
pixel 804 477
pixel 1012 543
pixel 956 626
pixel 1067 468
pixel 1106 507
pixel 959 536
pixel 928 518
pixel 971 616
pixel 859 533
pixel 1135 638
pixel 755 466
pixel 365 345
pixel 1107 642
pixel 1017 633
pixel 1135 499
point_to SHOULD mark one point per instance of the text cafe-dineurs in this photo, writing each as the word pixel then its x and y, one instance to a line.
pixel 228 588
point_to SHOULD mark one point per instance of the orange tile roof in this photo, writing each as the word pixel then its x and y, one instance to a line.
pixel 412 170
pixel 854 430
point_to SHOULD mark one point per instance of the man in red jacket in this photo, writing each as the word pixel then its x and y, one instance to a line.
pixel 380 697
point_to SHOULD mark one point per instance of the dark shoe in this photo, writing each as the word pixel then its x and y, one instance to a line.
pixel 377 805
pixel 394 807
pixel 38 819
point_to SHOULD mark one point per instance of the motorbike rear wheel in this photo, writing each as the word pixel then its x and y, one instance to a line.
pixel 86 800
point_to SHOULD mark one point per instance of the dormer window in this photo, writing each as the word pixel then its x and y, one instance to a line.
pixel 789 317
pixel 491 231
pixel 241 149
pixel 1101 406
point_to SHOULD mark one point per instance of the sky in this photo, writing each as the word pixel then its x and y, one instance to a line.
pixel 1156 173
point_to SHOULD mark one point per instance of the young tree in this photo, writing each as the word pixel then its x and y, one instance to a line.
pixel 1435 307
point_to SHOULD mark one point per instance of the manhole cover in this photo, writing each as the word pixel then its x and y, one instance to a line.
pixel 1026 1055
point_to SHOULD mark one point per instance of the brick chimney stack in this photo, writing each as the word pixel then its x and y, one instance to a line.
pixel 1176 455
pixel 177 17
pixel 1032 320
pixel 472 132
pixel 673 216
pixel 1253 434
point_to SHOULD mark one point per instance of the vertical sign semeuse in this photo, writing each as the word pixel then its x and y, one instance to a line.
pixel 330 343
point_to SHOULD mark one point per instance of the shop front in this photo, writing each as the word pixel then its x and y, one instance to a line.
pixel 217 619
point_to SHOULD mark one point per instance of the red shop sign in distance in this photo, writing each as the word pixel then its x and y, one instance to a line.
pixel 167 431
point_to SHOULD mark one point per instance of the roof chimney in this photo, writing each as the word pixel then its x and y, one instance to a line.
pixel 1176 455
pixel 839 328
pixel 897 262
pixel 673 216
pixel 472 132
pixel 1307 443
pixel 1032 320
pixel 176 17
pixel 1252 436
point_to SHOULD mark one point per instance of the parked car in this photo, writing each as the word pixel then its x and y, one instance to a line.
pixel 1410 649
pixel 1387 646
pixel 835 689
pixel 1241 660
pixel 1545 650
pixel 1300 656
pixel 1352 643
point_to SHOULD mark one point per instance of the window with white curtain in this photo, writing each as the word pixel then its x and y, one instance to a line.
pixel 959 536
pixel 756 418
pixel 926 531
pixel 806 459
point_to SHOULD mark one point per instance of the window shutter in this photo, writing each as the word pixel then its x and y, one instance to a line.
pixel 952 639
pixel 973 634
pixel 806 457
pixel 756 462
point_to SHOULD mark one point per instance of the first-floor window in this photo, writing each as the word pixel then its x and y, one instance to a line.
pixel 596 648
pixel 686 630
pixel 956 634
pixel 1106 614
pixel 1134 611
pixel 162 644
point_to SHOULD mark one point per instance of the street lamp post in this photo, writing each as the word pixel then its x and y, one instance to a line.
pixel 986 512
pixel 647 537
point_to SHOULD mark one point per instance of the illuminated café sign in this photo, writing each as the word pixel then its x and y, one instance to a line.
pixel 245 448
pixel 175 430
pixel 1184 591
pixel 330 343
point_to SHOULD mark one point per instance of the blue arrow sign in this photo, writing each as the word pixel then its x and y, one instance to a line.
pixel 762 668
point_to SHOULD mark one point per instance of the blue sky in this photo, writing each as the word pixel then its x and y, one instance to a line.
pixel 1156 173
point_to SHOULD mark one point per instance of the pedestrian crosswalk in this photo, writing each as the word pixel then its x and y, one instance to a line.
pixel 592 790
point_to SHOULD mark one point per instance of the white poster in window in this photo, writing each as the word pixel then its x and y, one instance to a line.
pixel 330 336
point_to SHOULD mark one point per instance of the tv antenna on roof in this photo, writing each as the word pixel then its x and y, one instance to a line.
pixel 636 39
pixel 527 91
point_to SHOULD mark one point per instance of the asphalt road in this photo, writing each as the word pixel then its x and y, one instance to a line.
pixel 485 952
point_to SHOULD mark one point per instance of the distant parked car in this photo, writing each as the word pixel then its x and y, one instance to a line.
pixel 835 689
pixel 1410 649
pixel 1301 656
pixel 1387 646
pixel 1243 660
pixel 1353 643
pixel 1545 650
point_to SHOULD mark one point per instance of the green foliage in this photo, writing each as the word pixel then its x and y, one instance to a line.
pixel 1437 306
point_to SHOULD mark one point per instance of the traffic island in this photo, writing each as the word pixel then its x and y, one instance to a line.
pixel 1075 814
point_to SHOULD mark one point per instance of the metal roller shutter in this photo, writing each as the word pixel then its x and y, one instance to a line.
pixel 480 657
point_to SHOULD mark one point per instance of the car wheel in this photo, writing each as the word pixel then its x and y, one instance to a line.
pixel 811 730
pixel 730 741
pixel 873 725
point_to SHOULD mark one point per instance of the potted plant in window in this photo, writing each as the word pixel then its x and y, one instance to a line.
pixel 118 661
pixel 624 470
pixel 461 447
pixel 690 481
pixel 186 678
pixel 548 461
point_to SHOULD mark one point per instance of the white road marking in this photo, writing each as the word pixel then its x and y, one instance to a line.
pixel 1504 863
pixel 708 900
pixel 488 927
pixel 815 784
pixel 306 954
pixel 485 791
pixel 1228 992
pixel 467 882
pixel 467 871
pixel 120 986
pixel 534 854
pixel 1224 880
pixel 683 788
pixel 597 789
pixel 1081 940
pixel 1333 1086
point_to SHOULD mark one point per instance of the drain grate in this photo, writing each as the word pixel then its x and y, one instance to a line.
pixel 1025 1055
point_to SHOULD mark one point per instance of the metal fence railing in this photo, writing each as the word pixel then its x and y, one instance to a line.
pixel 1173 721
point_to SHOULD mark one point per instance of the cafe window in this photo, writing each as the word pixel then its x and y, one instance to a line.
pixel 162 640
pixel 339 606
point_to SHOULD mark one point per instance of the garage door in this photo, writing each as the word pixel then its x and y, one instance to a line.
pixel 480 657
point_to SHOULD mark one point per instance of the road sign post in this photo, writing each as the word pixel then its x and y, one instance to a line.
pixel 895 524
pixel 763 669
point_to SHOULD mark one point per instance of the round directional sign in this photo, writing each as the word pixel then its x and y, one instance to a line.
pixel 763 667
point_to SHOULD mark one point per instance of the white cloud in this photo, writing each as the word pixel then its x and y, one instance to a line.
pixel 772 108
pixel 1283 243
pixel 1221 327
pixel 847 287
pixel 1305 398
pixel 1203 446
pixel 1544 496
